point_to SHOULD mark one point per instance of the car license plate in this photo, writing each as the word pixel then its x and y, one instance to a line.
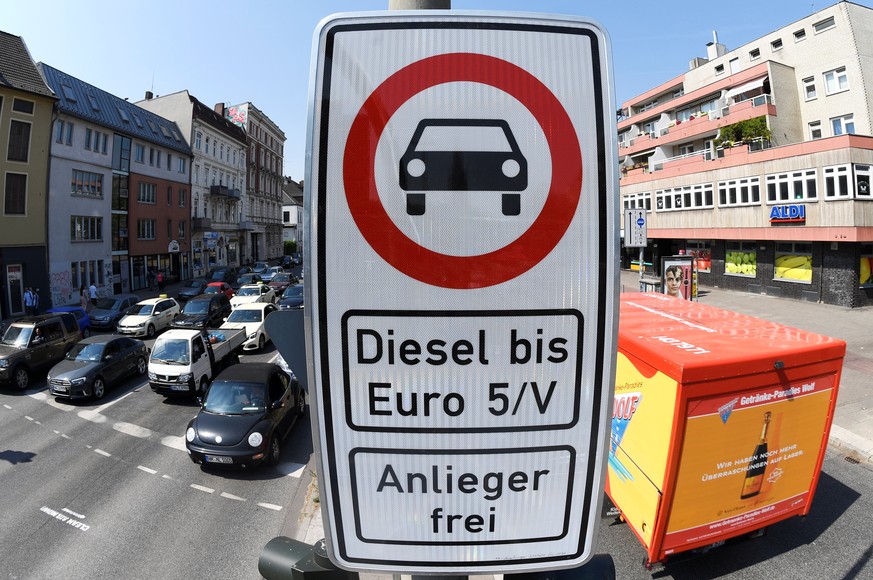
pixel 59 389
pixel 218 459
pixel 178 387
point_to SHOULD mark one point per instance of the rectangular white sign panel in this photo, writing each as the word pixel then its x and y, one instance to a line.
pixel 635 233
pixel 462 235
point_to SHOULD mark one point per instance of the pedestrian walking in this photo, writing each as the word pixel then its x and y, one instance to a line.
pixel 92 291
pixel 160 281
pixel 35 301
pixel 28 301
pixel 83 298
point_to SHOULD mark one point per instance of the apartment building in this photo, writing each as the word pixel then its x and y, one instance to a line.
pixel 757 161
pixel 26 105
pixel 263 204
pixel 218 177
pixel 119 193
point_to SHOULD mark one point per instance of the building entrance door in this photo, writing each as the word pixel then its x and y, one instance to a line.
pixel 15 289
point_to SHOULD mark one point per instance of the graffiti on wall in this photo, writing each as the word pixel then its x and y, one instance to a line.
pixel 61 286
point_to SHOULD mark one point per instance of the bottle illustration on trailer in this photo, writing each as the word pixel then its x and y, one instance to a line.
pixel 758 464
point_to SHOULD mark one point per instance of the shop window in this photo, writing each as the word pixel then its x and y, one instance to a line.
pixel 793 262
pixel 741 259
pixel 866 278
pixel 836 181
pixel 702 251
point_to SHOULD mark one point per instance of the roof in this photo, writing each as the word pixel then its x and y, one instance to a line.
pixel 249 372
pixel 253 305
pixel 155 300
pixel 80 99
pixel 17 70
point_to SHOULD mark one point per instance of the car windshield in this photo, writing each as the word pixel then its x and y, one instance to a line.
pixel 171 351
pixel 261 265
pixel 197 307
pixel 235 398
pixel 194 284
pixel 249 292
pixel 108 304
pixel 248 278
pixel 17 335
pixel 219 275
pixel 86 352
pixel 246 315
pixel 142 310
pixel 281 278
pixel 293 292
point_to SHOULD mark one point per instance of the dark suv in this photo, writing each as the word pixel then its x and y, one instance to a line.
pixel 33 343
pixel 204 311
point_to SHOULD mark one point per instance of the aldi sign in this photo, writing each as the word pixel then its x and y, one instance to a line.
pixel 461 303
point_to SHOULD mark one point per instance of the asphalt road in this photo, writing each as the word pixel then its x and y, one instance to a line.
pixel 107 490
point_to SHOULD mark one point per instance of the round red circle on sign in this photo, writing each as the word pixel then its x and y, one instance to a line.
pixel 423 264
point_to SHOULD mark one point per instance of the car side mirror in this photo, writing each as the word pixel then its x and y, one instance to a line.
pixel 199 401
pixel 277 405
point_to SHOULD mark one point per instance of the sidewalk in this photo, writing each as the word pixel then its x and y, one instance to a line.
pixel 852 429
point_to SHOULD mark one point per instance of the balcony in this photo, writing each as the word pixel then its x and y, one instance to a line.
pixel 225 191
pixel 246 225
pixel 202 223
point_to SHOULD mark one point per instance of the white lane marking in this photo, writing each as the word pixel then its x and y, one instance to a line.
pixel 92 416
pixel 110 403
pixel 174 442
pixel 231 496
pixel 146 469
pixel 131 429
pixel 202 488
pixel 56 432
pixel 39 396
pixel 72 513
pixel 165 476
pixel 7 406
pixel 38 423
pixel 28 418
pixel 270 506
pixel 103 453
pixel 61 406
pixel 291 469
pixel 65 436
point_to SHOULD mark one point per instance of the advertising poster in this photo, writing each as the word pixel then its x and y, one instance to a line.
pixel 677 276
pixel 747 457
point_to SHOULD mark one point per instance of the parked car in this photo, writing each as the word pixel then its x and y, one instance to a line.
pixel 33 343
pixel 242 280
pixel 194 287
pixel 149 317
pixel 292 297
pixel 224 274
pixel 297 257
pixel 81 317
pixel 109 310
pixel 282 281
pixel 247 413
pixel 95 364
pixel 219 288
pixel 204 311
pixel 259 267
pixel 287 262
pixel 251 318
pixel 268 274
pixel 253 293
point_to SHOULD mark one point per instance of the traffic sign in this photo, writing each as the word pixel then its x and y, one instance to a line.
pixel 635 235
pixel 461 308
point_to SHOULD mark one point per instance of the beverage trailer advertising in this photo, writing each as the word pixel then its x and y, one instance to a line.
pixel 461 309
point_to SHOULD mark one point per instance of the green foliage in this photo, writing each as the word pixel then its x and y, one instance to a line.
pixel 290 247
pixel 743 131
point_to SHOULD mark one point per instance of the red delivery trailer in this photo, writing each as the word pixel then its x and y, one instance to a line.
pixel 720 421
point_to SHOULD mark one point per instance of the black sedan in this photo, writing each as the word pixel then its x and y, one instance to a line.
pixel 292 297
pixel 249 410
pixel 96 363
pixel 193 288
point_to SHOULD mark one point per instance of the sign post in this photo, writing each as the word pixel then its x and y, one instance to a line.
pixel 635 234
pixel 461 307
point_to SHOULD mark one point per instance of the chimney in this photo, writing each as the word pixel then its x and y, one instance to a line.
pixel 714 49
pixel 219 108
pixel 149 95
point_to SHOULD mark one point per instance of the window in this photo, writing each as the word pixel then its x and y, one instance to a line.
pixel 104 140
pixel 139 153
pixel 844 125
pixel 741 259
pixel 862 183
pixel 836 181
pixel 809 88
pixel 685 198
pixel 64 132
pixel 123 114
pixel 195 174
pixel 755 54
pixel 739 192
pixel 19 141
pixel 638 201
pixel 15 198
pixel 794 186
pixel 121 153
pixel 158 160
pixel 22 106
pixel 86 183
pixel 701 250
pixel 823 25
pixel 206 151
pixel 719 69
pixel 815 130
pixel 776 45
pixel 649 105
pixel 88 138
pixel 86 229
pixel 182 229
pixel 686 149
pixel 147 193
pixel 169 195
pixel 145 229
pixel 182 195
pixel 151 156
pixel 198 137
pixel 836 81
pixel 152 126
pixel 799 35
pixel 182 165
pixel 92 100
pixel 169 229
pixel 169 161
pixel 793 262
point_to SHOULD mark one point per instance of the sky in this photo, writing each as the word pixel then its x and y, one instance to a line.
pixel 259 51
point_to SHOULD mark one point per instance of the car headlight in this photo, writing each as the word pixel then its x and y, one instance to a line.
pixel 140 325
pixel 253 335
pixel 185 378
pixel 190 434
pixel 153 376
pixel 78 382
pixel 255 439
pixel 4 362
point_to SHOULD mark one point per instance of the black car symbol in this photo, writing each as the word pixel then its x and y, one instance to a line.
pixel 463 155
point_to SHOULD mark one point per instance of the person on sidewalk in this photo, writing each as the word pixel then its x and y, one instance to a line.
pixel 92 291
pixel 28 301
pixel 151 278
pixel 35 301
pixel 161 282
pixel 83 298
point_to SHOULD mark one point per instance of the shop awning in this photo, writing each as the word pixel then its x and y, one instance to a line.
pixel 749 86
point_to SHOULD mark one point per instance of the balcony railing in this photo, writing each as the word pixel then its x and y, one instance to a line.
pixel 202 223
pixel 246 225
pixel 225 191
pixel 693 157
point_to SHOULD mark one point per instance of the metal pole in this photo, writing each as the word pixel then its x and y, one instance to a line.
pixel 419 4
pixel 642 267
